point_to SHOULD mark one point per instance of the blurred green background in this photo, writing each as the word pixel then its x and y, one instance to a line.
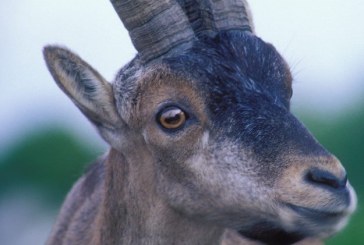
pixel 344 137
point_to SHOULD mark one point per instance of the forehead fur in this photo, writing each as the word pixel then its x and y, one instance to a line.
pixel 237 61
pixel 231 61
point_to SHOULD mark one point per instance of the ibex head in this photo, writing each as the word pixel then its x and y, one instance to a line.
pixel 206 103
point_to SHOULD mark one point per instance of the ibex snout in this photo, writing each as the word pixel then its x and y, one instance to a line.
pixel 316 193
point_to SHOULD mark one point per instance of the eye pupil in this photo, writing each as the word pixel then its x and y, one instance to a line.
pixel 172 118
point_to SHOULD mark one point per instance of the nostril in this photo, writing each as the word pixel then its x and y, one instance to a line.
pixel 322 177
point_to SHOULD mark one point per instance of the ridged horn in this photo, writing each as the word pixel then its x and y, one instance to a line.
pixel 211 16
pixel 156 27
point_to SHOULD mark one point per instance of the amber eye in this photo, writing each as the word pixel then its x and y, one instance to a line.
pixel 172 118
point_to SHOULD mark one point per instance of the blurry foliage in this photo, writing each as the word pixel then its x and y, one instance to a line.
pixel 345 139
pixel 48 161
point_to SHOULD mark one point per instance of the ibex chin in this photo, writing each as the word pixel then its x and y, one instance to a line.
pixel 203 146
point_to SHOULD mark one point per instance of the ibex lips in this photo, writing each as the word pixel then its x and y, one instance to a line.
pixel 315 213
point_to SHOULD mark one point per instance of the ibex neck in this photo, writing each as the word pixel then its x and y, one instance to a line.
pixel 133 212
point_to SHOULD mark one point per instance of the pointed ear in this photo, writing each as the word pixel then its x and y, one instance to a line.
pixel 91 93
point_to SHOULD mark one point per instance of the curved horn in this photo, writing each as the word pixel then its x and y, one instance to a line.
pixel 211 16
pixel 156 27
pixel 231 14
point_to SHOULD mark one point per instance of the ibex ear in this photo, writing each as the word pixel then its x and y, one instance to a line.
pixel 91 93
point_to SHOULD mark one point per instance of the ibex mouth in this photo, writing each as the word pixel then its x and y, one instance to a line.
pixel 317 214
pixel 270 234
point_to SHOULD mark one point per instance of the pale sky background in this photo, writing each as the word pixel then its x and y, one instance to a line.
pixel 322 40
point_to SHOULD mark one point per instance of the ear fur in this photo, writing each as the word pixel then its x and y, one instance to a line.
pixel 90 92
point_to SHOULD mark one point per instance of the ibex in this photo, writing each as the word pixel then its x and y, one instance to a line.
pixel 203 146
